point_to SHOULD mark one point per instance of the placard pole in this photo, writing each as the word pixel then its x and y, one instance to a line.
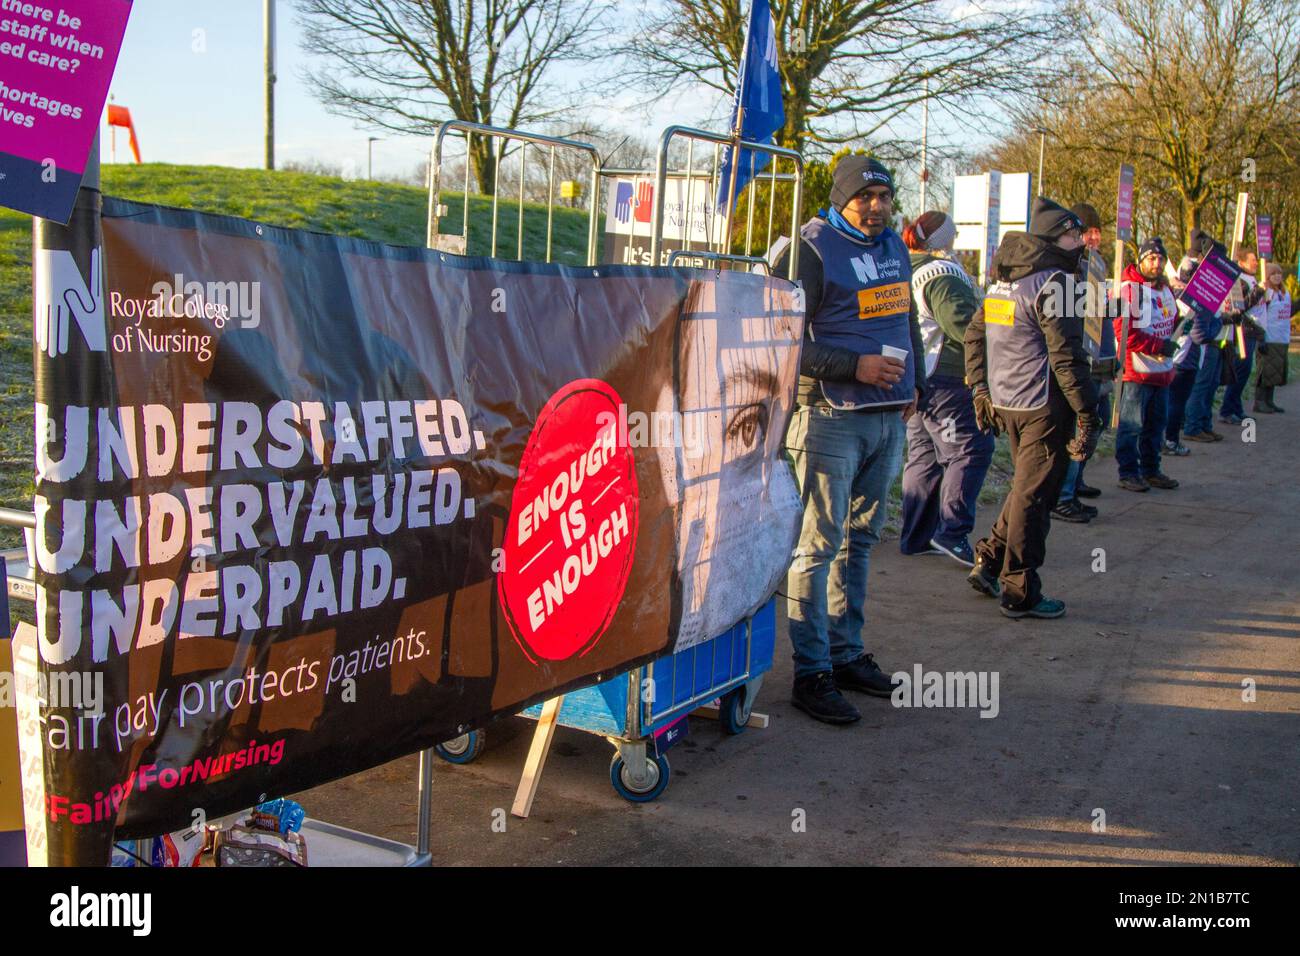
pixel 1121 347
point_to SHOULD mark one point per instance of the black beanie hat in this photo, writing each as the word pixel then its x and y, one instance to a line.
pixel 1050 219
pixel 853 174
pixel 1154 244
pixel 1087 215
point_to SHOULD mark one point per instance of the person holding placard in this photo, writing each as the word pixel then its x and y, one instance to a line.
pixel 1277 340
pixel 1030 375
pixel 1147 302
pixel 1204 331
pixel 1252 316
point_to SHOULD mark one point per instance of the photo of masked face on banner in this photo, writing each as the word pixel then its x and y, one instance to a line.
pixel 735 500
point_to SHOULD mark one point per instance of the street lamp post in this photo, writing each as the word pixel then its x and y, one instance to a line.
pixel 370 156
pixel 1042 148
pixel 925 142
pixel 268 37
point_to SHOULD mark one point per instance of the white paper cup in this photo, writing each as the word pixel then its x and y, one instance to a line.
pixel 890 352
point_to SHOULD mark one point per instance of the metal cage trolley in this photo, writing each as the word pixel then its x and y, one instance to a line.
pixel 644 711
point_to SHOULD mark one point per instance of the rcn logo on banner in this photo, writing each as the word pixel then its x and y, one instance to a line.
pixel 628 207
pixel 63 298
pixel 864 267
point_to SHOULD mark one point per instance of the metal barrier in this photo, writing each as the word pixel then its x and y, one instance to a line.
pixel 17 519
pixel 719 246
pixel 19 583
pixel 500 137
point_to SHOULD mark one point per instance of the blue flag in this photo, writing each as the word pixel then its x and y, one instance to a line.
pixel 758 94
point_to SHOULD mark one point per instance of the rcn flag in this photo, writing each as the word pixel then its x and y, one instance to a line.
pixel 758 94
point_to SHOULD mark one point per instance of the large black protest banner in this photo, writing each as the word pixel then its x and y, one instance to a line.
pixel 309 503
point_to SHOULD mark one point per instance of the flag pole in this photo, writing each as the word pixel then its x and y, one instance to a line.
pixel 735 170
pixel 736 132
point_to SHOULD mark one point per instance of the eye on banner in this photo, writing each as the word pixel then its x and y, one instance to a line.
pixel 306 503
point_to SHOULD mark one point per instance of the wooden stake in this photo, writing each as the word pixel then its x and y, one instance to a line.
pixel 537 752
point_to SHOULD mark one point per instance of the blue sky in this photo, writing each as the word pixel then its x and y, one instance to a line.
pixel 191 74
pixel 201 102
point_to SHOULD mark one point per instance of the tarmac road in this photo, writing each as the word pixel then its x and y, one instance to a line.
pixel 1132 704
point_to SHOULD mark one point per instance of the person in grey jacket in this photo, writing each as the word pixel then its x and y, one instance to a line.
pixel 1030 374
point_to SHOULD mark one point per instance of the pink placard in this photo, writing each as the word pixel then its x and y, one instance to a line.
pixel 1212 282
pixel 1124 204
pixel 1264 235
pixel 56 60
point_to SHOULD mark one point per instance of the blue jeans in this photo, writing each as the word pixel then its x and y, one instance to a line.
pixel 947 459
pixel 1179 391
pixel 1200 404
pixel 1232 393
pixel 1141 433
pixel 846 462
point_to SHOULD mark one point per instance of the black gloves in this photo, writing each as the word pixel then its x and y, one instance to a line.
pixel 1168 347
pixel 986 416
pixel 1087 431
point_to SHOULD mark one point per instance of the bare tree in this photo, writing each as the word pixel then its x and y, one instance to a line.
pixel 1201 95
pixel 850 67
pixel 406 65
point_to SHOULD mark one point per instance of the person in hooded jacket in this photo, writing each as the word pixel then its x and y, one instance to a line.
pixel 1030 375
pixel 1099 340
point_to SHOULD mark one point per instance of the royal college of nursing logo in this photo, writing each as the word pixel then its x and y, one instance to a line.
pixel 63 297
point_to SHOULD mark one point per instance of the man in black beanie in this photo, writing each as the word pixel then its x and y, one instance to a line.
pixel 861 371
pixel 1029 371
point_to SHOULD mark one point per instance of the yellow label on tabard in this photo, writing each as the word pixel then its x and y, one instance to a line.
pixel 883 300
pixel 999 311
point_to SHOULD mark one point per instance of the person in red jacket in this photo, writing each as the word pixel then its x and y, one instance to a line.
pixel 1152 312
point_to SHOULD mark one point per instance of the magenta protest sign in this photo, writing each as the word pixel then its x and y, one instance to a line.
pixel 1264 235
pixel 1212 282
pixel 56 61
pixel 1124 206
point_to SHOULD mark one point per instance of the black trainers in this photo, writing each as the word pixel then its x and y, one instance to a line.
pixel 818 697
pixel 984 581
pixel 1089 510
pixel 961 552
pixel 863 675
pixel 1045 608
pixel 1086 491
pixel 1071 511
